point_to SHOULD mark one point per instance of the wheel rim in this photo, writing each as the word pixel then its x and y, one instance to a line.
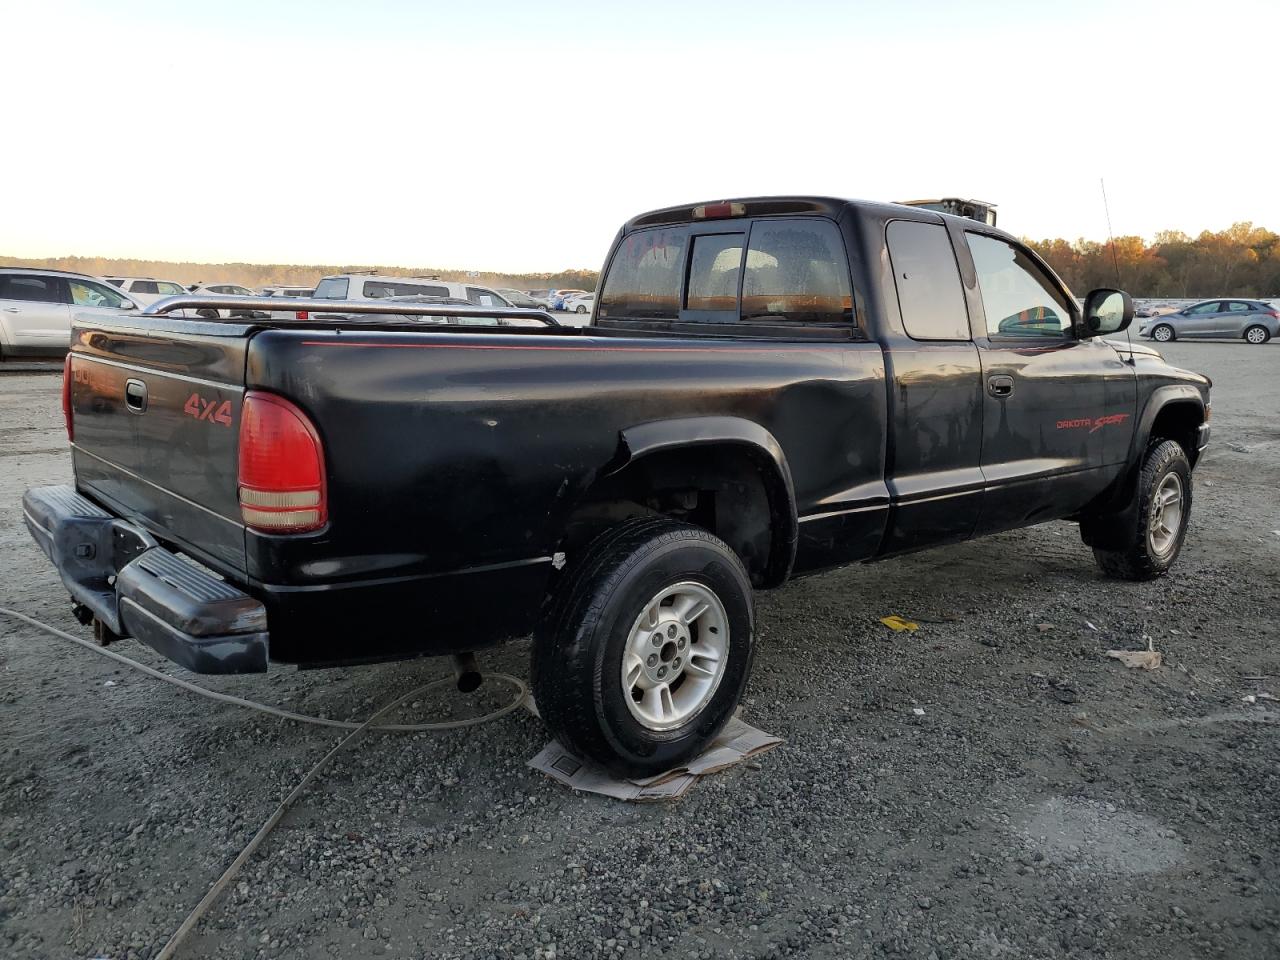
pixel 1166 515
pixel 675 655
pixel 1256 335
pixel 1162 334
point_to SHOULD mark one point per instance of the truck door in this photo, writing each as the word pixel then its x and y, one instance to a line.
pixel 933 468
pixel 1057 410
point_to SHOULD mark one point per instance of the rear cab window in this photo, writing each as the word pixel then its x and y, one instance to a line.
pixel 786 271
pixel 927 277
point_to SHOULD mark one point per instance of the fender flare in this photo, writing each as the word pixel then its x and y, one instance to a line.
pixel 657 436
pixel 1119 508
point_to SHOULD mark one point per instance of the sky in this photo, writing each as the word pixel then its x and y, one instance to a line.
pixel 518 136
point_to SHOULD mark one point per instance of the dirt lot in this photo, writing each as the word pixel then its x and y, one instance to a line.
pixel 1049 802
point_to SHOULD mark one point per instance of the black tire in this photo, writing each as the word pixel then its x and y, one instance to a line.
pixel 582 310
pixel 1137 557
pixel 1171 335
pixel 207 313
pixel 579 646
pixel 1259 329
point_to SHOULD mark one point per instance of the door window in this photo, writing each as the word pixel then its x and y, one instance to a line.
pixel 796 270
pixel 1019 300
pixel 713 272
pixel 1202 309
pixel 30 288
pixel 929 291
pixel 483 298
pixel 145 286
pixel 169 289
pixel 1235 306
pixel 86 294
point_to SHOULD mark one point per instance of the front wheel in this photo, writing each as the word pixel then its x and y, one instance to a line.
pixel 647 647
pixel 1257 334
pixel 1163 333
pixel 1152 537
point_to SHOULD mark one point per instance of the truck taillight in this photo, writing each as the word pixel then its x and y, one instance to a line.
pixel 66 398
pixel 300 315
pixel 282 480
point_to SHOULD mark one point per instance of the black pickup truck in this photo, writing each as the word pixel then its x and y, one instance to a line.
pixel 769 387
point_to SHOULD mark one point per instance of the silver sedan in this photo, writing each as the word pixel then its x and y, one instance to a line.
pixel 1251 320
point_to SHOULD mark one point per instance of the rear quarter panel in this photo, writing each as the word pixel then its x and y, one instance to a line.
pixel 452 451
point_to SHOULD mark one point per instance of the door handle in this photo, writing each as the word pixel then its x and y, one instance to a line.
pixel 135 395
pixel 1000 387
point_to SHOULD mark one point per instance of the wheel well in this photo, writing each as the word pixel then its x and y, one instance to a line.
pixel 1179 422
pixel 728 489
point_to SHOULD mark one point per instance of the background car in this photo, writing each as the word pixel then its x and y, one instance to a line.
pixel 222 290
pixel 147 290
pixel 276 291
pixel 1253 320
pixel 37 306
pixel 367 286
pixel 556 298
pixel 518 298
pixel 580 303
pixel 463 321
pixel 541 296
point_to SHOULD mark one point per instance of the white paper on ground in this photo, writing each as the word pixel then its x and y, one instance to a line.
pixel 738 741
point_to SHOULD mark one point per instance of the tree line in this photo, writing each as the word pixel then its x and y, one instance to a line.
pixel 255 275
pixel 1242 261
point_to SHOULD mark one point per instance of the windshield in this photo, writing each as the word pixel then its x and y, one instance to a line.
pixel 331 288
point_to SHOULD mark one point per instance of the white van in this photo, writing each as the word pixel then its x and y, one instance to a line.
pixel 365 286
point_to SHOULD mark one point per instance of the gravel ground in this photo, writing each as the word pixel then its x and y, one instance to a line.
pixel 1049 802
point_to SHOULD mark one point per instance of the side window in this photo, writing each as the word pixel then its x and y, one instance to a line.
pixel 1235 306
pixel 713 272
pixel 1213 306
pixel 30 288
pixel 84 294
pixel 796 270
pixel 146 286
pixel 644 276
pixel 377 289
pixel 930 294
pixel 1018 299
pixel 169 289
pixel 115 282
pixel 482 298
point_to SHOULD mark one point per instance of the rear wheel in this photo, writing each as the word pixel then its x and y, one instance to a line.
pixel 582 310
pixel 1257 334
pixel 1162 333
pixel 1153 535
pixel 647 647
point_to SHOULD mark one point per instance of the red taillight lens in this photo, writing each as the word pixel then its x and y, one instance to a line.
pixel 66 398
pixel 300 315
pixel 282 482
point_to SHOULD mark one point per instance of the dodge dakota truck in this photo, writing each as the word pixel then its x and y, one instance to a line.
pixel 768 387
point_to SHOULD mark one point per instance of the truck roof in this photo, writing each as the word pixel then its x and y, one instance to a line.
pixel 785 206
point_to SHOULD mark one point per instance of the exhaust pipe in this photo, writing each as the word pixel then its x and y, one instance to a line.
pixel 466 672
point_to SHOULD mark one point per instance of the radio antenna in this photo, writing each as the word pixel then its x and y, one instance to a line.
pixel 1115 259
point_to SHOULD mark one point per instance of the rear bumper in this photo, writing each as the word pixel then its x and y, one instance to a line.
pixel 139 589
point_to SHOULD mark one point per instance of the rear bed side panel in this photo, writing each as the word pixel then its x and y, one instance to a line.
pixel 178 475
pixel 447 452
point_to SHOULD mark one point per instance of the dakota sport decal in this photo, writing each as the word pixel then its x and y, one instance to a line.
pixel 1093 423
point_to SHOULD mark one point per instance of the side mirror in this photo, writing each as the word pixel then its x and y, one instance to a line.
pixel 128 305
pixel 1106 311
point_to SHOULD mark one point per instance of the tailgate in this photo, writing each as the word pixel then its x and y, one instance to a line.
pixel 156 405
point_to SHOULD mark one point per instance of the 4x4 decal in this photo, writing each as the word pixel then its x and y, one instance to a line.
pixel 202 409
